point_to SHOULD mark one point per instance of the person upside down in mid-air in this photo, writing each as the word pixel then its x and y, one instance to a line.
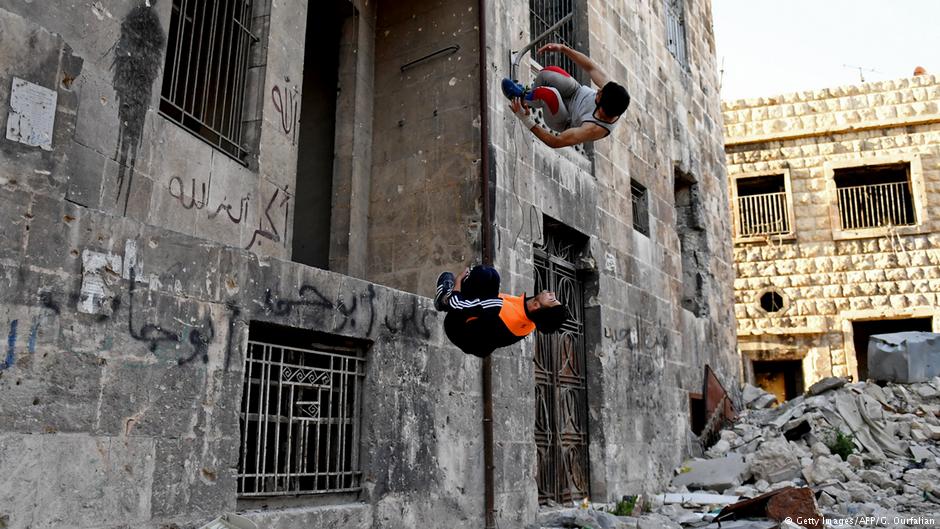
pixel 578 113
pixel 480 320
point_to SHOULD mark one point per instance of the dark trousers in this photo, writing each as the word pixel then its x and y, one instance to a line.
pixel 463 329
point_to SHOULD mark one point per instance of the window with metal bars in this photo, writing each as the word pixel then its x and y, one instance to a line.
pixel 761 206
pixel 543 14
pixel 641 213
pixel 875 196
pixel 675 31
pixel 300 414
pixel 206 67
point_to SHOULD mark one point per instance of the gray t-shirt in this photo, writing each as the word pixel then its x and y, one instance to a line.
pixel 582 107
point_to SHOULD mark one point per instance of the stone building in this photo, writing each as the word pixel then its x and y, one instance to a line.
pixel 222 220
pixel 836 203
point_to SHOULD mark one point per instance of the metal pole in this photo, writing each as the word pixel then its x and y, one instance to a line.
pixel 489 487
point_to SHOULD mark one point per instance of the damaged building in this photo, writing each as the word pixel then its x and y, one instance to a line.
pixel 222 221
pixel 836 200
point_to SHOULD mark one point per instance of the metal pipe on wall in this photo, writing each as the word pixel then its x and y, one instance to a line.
pixel 489 488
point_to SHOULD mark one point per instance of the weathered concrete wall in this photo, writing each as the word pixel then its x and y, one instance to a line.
pixel 830 277
pixel 122 372
pixel 128 324
pixel 424 213
pixel 130 415
pixel 116 159
pixel 645 352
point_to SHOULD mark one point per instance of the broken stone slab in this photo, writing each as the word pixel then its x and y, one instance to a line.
pixel 763 402
pixel 920 453
pixel 825 469
pixel 904 357
pixel 697 498
pixel 774 461
pixel 750 394
pixel 826 384
pixel 855 461
pixel 718 449
pixel 656 521
pixel 713 474
pixel 932 431
pixel 581 518
pixel 877 478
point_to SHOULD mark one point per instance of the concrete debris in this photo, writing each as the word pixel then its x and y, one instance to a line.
pixel 826 384
pixel 843 450
pixel 713 474
pixel 697 498
pixel 774 461
pixel 904 357
pixel 757 399
pixel 583 518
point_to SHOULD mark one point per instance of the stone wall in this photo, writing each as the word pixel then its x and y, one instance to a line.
pixel 829 276
pixel 425 189
pixel 645 352
pixel 122 372
pixel 129 292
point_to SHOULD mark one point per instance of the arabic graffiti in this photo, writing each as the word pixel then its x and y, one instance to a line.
pixel 199 196
pixel 269 230
pixel 156 335
pixel 287 105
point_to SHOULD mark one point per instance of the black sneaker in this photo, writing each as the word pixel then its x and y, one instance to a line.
pixel 445 283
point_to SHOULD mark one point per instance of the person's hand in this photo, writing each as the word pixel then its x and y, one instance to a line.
pixel 460 278
pixel 552 46
pixel 522 112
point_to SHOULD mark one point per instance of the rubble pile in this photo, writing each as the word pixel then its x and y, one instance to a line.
pixel 844 451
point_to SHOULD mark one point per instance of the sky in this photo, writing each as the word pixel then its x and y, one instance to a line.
pixel 772 47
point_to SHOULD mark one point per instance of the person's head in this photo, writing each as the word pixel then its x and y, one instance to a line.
pixel 613 99
pixel 546 312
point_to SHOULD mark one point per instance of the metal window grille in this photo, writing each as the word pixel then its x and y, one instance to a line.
pixel 675 31
pixel 764 214
pixel 300 421
pixel 206 67
pixel 641 216
pixel 561 439
pixel 876 206
pixel 543 14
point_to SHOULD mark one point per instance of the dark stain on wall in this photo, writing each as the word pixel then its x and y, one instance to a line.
pixel 138 55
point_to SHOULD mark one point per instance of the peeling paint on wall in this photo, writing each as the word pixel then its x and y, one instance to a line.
pixel 32 114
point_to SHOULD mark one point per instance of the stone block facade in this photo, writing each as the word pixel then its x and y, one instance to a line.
pixel 147 262
pixel 843 259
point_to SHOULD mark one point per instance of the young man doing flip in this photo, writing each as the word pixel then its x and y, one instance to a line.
pixel 578 113
pixel 480 319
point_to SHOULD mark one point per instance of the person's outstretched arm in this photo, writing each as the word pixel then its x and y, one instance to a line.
pixel 597 74
pixel 586 132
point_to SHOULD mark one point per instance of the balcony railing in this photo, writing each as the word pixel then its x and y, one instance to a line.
pixel 764 214
pixel 876 206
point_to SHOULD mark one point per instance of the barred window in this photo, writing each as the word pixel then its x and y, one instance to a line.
pixel 300 414
pixel 641 214
pixel 875 196
pixel 543 14
pixel 762 206
pixel 206 66
pixel 675 31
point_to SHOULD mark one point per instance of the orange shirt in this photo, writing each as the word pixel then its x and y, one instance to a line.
pixel 513 315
